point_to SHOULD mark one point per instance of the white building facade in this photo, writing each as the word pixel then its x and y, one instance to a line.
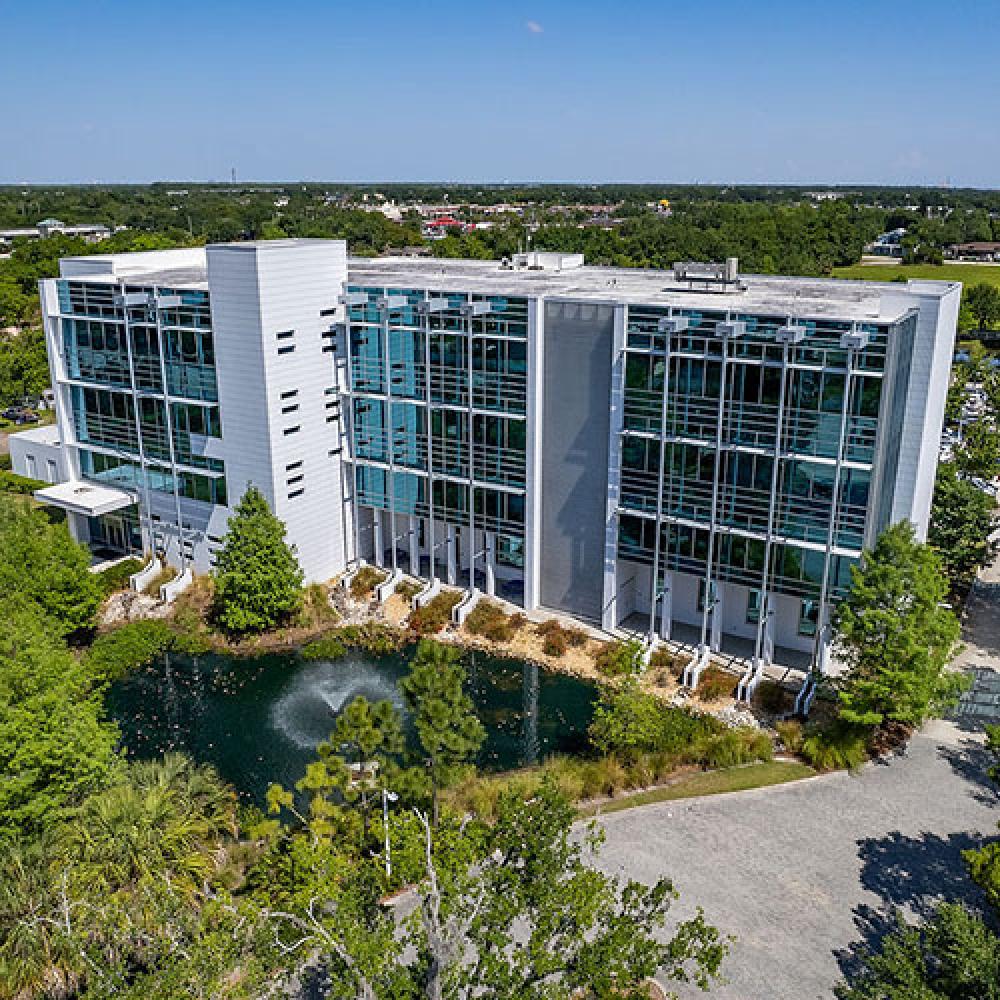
pixel 696 454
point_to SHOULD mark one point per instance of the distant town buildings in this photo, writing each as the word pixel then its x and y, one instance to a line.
pixel 90 232
pixel 984 252
pixel 888 244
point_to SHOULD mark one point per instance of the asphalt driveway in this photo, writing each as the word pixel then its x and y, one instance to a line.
pixel 803 874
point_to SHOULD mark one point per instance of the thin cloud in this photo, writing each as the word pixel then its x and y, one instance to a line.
pixel 534 27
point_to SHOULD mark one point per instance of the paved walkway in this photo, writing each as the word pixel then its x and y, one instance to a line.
pixel 802 873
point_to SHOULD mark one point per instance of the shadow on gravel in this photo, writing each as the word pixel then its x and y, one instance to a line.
pixel 970 760
pixel 909 874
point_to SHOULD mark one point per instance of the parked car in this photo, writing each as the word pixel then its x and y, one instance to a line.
pixel 20 415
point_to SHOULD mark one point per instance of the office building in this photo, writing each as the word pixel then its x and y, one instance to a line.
pixel 695 454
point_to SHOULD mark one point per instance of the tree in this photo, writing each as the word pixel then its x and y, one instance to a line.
pixel 41 563
pixel 895 636
pixel 511 910
pixel 55 746
pixel 365 732
pixel 979 452
pixel 444 716
pixel 952 955
pixel 258 581
pixel 983 302
pixel 963 519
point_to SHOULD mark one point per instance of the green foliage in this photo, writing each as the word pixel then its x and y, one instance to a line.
pixel 954 955
pixel 629 721
pixel 435 614
pixel 791 732
pixel 54 744
pixel 895 636
pixel 733 747
pixel 24 365
pixel 983 302
pixel 443 713
pixel 839 745
pixel 620 659
pixel 41 563
pixel 116 577
pixel 258 581
pixel 327 648
pixel 372 637
pixel 979 452
pixel 365 581
pixel 963 519
pixel 115 654
pixel 11 482
pixel 984 862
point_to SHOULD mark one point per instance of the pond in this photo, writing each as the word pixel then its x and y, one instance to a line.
pixel 259 720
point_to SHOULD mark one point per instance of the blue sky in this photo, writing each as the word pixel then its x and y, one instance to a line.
pixel 880 91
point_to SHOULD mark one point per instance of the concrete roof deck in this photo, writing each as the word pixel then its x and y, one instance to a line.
pixel 799 297
pixel 764 294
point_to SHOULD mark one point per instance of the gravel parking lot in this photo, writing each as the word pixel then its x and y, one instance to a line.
pixel 802 874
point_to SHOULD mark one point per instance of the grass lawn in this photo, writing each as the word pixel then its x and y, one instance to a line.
pixel 968 274
pixel 730 779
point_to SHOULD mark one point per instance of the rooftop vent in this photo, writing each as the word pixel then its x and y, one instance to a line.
pixel 707 277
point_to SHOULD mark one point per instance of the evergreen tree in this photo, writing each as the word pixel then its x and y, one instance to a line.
pixel 54 745
pixel 895 635
pixel 258 581
pixel 962 522
pixel 444 716
pixel 41 563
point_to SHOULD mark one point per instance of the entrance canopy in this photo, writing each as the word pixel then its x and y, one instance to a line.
pixel 84 498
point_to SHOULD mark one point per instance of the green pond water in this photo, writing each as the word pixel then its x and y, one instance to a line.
pixel 259 720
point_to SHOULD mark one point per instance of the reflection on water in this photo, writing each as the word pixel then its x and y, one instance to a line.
pixel 259 720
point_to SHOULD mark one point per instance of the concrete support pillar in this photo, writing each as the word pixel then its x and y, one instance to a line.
pixel 452 573
pixel 715 642
pixel 491 563
pixel 767 646
pixel 666 605
pixel 378 548
pixel 414 546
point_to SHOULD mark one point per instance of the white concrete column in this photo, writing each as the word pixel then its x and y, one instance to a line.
pixel 414 546
pixel 378 549
pixel 491 563
pixel 533 454
pixel 769 610
pixel 452 561
pixel 715 642
pixel 666 605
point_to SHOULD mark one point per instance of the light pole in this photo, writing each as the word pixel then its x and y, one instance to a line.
pixel 387 797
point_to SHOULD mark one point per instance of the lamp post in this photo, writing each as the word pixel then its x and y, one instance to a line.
pixel 387 797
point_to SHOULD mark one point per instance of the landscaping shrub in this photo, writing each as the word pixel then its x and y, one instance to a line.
pixel 11 482
pixel 836 746
pixel 408 589
pixel 555 638
pixel 117 653
pixel 791 733
pixel 734 747
pixel 715 683
pixel 435 614
pixel 327 648
pixel 663 659
pixel 489 620
pixel 165 575
pixel 629 722
pixel 316 607
pixel 365 581
pixel 116 577
pixel 620 659
pixel 371 637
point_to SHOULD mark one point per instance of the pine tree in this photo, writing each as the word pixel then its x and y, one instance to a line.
pixel 258 580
